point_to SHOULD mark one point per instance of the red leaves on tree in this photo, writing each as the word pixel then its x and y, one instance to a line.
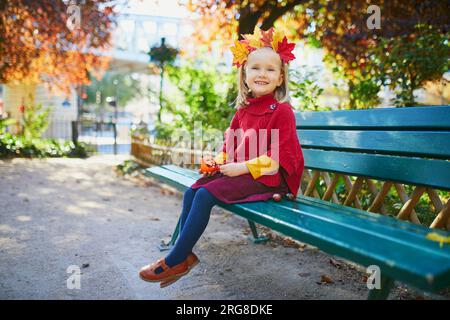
pixel 37 46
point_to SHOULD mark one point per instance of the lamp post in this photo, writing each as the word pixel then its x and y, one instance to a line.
pixel 112 101
pixel 116 106
pixel 115 82
pixel 162 55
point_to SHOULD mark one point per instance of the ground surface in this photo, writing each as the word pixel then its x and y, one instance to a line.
pixel 57 213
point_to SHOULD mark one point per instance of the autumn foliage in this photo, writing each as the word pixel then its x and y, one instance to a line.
pixel 337 25
pixel 226 21
pixel 341 25
pixel 272 38
pixel 36 44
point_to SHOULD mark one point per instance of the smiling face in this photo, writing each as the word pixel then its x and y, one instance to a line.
pixel 263 71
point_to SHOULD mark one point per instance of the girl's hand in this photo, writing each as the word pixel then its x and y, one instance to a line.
pixel 204 166
pixel 234 169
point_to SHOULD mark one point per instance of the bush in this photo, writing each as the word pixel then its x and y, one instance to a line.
pixel 35 121
pixel 207 94
pixel 303 86
pixel 364 94
pixel 407 62
pixel 363 86
pixel 128 167
pixel 20 146
pixel 5 123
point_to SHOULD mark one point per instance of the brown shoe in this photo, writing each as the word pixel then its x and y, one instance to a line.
pixel 147 273
pixel 192 261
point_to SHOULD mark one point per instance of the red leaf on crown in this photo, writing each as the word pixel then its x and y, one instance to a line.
pixel 285 50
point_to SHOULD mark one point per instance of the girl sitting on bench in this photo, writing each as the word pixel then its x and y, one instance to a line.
pixel 263 118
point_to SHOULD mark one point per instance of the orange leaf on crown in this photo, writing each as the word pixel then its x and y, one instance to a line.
pixel 277 37
pixel 254 40
pixel 266 37
pixel 240 53
pixel 271 38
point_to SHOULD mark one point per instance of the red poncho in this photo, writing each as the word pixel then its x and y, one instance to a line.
pixel 261 113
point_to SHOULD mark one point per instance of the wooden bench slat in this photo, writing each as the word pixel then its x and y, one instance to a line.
pixel 418 171
pixel 425 118
pixel 185 177
pixel 347 232
pixel 433 144
pixel 385 221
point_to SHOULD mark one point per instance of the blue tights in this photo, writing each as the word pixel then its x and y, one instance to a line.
pixel 197 205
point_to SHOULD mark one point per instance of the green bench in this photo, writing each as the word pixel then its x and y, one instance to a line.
pixel 393 145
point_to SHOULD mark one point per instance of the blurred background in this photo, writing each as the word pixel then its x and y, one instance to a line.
pixel 87 76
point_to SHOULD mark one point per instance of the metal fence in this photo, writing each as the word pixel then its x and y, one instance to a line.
pixel 104 137
pixel 59 128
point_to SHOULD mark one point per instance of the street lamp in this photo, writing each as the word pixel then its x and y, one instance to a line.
pixel 115 82
pixel 162 55
pixel 112 101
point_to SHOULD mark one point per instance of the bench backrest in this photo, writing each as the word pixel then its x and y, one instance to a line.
pixel 407 145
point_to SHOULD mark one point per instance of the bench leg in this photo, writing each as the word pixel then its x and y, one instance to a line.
pixel 167 246
pixel 256 238
pixel 386 285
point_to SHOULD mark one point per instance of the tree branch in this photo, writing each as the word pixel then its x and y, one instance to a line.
pixel 278 11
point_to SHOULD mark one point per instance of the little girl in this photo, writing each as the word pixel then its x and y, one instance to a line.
pixel 248 171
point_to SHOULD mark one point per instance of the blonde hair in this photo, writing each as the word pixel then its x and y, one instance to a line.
pixel 281 92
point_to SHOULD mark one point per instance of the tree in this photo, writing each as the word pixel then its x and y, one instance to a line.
pixel 37 44
pixel 339 26
pixel 408 61
pixel 228 20
pixel 126 88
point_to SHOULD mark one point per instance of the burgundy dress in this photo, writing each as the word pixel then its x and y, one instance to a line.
pixel 238 189
pixel 261 113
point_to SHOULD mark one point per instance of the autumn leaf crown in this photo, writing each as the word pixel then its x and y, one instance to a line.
pixel 271 38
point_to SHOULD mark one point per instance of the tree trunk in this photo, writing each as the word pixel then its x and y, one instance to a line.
pixel 352 100
pixel 248 19
pixel 410 89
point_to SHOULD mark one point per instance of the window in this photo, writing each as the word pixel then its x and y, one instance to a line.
pixel 149 27
pixel 169 29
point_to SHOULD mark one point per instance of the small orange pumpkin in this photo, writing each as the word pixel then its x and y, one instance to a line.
pixel 208 165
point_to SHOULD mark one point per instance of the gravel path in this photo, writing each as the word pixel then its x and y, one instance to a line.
pixel 57 213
